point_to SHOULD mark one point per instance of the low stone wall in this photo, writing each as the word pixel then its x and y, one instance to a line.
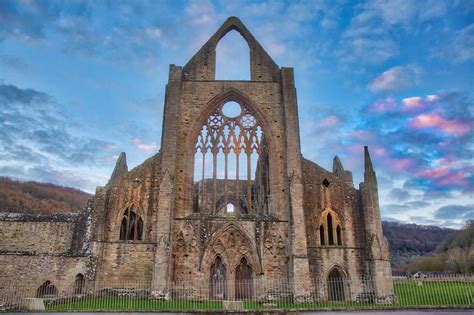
pixel 36 234
pixel 24 274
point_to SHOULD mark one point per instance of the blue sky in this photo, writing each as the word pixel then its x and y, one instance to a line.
pixel 81 81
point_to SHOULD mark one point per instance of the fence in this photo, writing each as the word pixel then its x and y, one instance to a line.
pixel 255 295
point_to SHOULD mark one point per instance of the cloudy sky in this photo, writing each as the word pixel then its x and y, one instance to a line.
pixel 81 81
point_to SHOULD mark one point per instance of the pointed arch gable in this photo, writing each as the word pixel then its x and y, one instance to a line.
pixel 202 65
pixel 251 256
pixel 337 267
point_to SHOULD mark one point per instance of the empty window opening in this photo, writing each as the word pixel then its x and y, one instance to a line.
pixel 231 163
pixel 232 58
pixel 326 183
pixel 330 232
pixel 338 236
pixel 321 234
pixel 231 109
pixel 131 225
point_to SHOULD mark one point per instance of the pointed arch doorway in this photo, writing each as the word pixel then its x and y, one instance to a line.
pixel 218 280
pixel 243 281
pixel 335 286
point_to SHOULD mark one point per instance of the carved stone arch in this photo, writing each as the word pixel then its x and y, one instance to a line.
pixel 202 65
pixel 239 97
pixel 230 95
pixel 129 204
pixel 337 267
pixel 218 246
pixel 337 218
pixel 121 223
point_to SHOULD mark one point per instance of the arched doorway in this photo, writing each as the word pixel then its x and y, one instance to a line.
pixel 47 289
pixel 243 281
pixel 218 280
pixel 79 284
pixel 335 286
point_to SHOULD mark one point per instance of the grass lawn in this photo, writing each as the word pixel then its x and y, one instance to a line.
pixel 118 303
pixel 429 294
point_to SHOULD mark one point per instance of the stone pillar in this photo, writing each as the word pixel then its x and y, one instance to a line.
pixel 162 263
pixel 299 262
pixel 378 257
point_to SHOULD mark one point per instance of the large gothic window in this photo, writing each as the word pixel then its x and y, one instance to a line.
pixel 131 224
pixel 231 171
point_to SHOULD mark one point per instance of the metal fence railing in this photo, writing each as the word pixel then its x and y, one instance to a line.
pixel 252 295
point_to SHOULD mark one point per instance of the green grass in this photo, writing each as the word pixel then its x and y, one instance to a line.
pixel 118 303
pixel 435 293
pixel 429 294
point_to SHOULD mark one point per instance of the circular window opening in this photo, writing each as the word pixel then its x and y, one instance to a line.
pixel 231 109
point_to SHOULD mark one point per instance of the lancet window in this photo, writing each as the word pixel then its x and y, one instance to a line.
pixel 131 224
pixel 231 163
pixel 330 230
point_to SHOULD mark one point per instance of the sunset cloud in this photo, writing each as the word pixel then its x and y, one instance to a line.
pixel 434 120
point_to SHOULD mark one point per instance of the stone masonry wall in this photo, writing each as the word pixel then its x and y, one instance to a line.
pixel 23 274
pixel 36 237
pixel 343 200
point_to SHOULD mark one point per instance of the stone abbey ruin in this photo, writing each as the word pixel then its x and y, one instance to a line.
pixel 229 199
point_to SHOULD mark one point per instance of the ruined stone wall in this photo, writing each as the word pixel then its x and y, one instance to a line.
pixel 23 274
pixel 126 262
pixel 41 234
pixel 36 237
pixel 344 200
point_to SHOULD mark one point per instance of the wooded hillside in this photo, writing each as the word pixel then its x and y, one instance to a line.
pixel 408 240
pixel 39 198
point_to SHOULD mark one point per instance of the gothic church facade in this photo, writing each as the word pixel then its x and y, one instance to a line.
pixel 229 199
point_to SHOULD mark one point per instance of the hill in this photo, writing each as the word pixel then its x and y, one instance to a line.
pixel 39 198
pixel 456 254
pixel 408 240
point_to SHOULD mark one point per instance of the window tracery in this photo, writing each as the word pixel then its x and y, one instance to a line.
pixel 330 229
pixel 131 224
pixel 230 161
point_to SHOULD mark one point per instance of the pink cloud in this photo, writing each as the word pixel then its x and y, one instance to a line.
pixel 454 179
pixel 396 78
pixel 413 102
pixel 434 120
pixel 435 173
pixel 383 106
pixel 330 121
pixel 401 164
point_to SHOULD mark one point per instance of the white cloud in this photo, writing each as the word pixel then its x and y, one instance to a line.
pixel 396 78
pixel 145 147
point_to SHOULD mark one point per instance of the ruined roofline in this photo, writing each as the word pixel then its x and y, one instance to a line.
pixel 28 217
pixel 331 176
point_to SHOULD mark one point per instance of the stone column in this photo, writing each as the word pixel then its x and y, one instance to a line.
pixel 299 263
pixel 162 263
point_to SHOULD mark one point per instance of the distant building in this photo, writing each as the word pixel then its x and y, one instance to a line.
pixel 228 200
